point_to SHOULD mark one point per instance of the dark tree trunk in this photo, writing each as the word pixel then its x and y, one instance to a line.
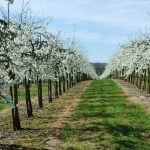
pixel 133 77
pixel 56 90
pixel 15 112
pixel 122 73
pixel 144 85
pixel 137 79
pixel 64 84
pixel 60 91
pixel 116 75
pixel 141 79
pixel 84 76
pixel 28 98
pixel 40 93
pixel 49 91
pixel 12 110
pixel 17 119
pixel 67 81
pixel 128 79
pixel 79 77
pixel 70 81
pixel 148 89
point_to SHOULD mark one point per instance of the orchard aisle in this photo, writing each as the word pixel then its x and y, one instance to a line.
pixel 106 118
pixel 41 131
pixel 70 100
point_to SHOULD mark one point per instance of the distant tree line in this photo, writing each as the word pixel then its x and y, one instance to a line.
pixel 99 67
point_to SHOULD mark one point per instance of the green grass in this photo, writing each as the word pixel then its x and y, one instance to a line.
pixel 22 95
pixel 107 120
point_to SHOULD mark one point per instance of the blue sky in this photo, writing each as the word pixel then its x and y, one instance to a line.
pixel 99 25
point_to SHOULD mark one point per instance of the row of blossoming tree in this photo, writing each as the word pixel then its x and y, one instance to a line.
pixel 132 62
pixel 30 54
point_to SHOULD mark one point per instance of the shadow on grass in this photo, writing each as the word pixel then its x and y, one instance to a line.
pixel 125 137
pixel 18 147
pixel 109 121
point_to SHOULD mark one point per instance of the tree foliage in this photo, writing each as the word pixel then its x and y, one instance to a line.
pixel 30 53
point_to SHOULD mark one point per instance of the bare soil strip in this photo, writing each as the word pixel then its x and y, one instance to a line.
pixel 74 95
pixel 43 130
pixel 135 95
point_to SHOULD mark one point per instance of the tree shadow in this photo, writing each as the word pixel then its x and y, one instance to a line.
pixel 125 136
pixel 18 147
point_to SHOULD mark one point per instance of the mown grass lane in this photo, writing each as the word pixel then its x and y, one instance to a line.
pixel 106 119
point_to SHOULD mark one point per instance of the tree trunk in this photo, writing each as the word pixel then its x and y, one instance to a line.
pixel 12 110
pixel 16 116
pixel 28 98
pixel 64 86
pixel 144 85
pixel 56 90
pixel 137 79
pixel 79 77
pixel 70 80
pixel 60 91
pixel 148 89
pixel 67 81
pixel 49 91
pixel 141 78
pixel 133 80
pixel 40 93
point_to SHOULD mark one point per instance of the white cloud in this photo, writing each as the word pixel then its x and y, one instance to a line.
pixel 125 14
pixel 94 21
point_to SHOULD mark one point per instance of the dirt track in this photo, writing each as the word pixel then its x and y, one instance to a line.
pixel 43 130
pixel 135 95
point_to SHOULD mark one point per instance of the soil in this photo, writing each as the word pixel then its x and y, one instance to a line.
pixel 46 125
pixel 135 95
pixel 53 142
pixel 45 134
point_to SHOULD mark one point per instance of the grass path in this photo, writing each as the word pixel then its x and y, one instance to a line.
pixel 107 120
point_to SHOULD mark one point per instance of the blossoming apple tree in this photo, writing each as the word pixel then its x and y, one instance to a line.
pixel 29 53
pixel 132 62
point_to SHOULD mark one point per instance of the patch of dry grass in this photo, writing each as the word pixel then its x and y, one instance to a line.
pixel 37 130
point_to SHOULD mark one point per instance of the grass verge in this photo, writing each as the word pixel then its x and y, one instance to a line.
pixel 22 94
pixel 106 119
